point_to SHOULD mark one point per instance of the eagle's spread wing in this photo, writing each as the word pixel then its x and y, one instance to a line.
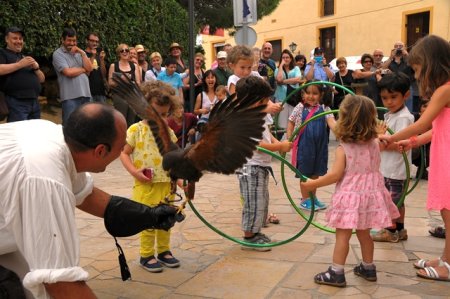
pixel 231 136
pixel 128 91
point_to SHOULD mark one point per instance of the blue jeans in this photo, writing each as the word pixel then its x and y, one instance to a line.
pixel 98 99
pixel 68 106
pixel 22 109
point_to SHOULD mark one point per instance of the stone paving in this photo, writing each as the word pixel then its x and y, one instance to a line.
pixel 215 267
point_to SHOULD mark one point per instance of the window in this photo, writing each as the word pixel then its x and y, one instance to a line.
pixel 327 8
pixel 328 42
pixel 276 46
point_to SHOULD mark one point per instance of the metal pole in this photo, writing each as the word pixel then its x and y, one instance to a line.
pixel 191 56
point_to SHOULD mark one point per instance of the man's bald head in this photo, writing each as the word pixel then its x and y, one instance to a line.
pixel 92 124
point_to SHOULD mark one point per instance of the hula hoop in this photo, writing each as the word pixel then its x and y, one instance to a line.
pixel 294 135
pixel 273 244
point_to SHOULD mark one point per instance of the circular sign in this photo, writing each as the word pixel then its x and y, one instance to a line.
pixel 245 36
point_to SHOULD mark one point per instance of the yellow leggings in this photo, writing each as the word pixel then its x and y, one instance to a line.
pixel 151 195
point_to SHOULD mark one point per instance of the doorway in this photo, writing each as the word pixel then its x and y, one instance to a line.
pixel 417 26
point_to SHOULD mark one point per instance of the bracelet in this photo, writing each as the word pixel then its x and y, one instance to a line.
pixel 413 141
pixel 36 69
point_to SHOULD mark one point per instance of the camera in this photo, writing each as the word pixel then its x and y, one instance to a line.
pixel 399 52
pixel 384 71
pixel 318 59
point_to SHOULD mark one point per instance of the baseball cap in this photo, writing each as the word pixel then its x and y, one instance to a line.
pixel 221 54
pixel 318 50
pixel 14 29
pixel 139 48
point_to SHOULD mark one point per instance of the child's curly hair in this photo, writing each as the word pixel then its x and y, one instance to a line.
pixel 160 93
pixel 357 119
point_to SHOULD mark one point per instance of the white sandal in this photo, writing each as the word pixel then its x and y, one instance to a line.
pixel 420 264
pixel 432 274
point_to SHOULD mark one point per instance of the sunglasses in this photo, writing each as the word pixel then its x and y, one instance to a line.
pixel 124 51
pixel 94 41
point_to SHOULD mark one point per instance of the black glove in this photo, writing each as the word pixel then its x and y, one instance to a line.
pixel 124 217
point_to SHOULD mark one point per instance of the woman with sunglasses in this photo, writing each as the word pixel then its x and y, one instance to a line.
pixel 366 79
pixel 130 69
pixel 198 80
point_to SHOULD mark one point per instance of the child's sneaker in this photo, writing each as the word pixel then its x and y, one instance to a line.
pixel 384 235
pixel 331 278
pixel 153 267
pixel 170 262
pixel 367 274
pixel 319 205
pixel 258 238
pixel 403 235
pixel 305 204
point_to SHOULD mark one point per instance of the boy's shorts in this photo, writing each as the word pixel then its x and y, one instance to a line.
pixel 395 188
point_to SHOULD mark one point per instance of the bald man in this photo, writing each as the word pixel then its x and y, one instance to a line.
pixel 45 175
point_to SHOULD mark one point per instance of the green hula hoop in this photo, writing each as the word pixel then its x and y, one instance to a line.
pixel 314 223
pixel 273 244
pixel 304 85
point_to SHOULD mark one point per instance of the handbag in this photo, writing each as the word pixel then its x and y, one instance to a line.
pixel 294 99
pixel 4 111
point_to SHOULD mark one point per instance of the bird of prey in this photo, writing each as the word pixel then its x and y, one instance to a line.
pixel 231 135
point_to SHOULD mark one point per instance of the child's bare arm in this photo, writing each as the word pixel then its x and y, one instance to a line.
pixel 290 129
pixel 232 89
pixel 125 158
pixel 278 146
pixel 331 122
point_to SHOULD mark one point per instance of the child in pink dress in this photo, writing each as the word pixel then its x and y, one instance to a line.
pixel 361 200
pixel 430 60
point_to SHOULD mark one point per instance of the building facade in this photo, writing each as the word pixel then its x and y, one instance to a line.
pixel 344 27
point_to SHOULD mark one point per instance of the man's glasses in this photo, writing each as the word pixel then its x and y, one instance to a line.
pixel 94 40
pixel 378 55
pixel 124 51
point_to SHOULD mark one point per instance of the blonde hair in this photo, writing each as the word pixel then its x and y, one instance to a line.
pixel 221 89
pixel 159 93
pixel 155 54
pixel 432 53
pixel 198 54
pixel 357 119
pixel 240 52
pixel 119 47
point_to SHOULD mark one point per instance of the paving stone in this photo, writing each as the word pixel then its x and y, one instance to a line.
pixel 230 278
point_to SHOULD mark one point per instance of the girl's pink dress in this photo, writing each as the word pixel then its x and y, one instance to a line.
pixel 361 200
pixel 439 175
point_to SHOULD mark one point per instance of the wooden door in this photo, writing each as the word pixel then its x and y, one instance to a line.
pixel 417 26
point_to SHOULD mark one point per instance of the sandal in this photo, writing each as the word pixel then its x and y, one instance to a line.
pixel 367 274
pixel 438 232
pixel 421 264
pixel 432 274
pixel 273 219
pixel 330 278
